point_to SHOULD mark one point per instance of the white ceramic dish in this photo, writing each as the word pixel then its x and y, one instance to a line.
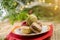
pixel 44 30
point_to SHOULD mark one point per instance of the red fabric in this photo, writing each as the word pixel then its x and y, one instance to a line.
pixel 13 36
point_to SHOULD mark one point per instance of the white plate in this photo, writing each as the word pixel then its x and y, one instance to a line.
pixel 44 30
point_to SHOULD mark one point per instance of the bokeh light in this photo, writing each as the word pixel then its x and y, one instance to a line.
pixel 56 7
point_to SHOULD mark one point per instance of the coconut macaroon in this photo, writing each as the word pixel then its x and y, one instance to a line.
pixel 36 27
pixel 25 30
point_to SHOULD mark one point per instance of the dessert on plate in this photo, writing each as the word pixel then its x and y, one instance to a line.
pixel 31 26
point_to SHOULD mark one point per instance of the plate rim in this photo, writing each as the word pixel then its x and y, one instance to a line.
pixel 33 33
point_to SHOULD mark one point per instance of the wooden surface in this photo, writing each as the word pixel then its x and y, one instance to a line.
pixel 56 32
pixel 5 28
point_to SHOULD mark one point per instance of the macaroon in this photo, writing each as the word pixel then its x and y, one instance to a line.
pixel 31 18
pixel 36 27
pixel 25 30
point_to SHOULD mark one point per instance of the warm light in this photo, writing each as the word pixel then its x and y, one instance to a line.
pixel 26 6
pixel 21 8
pixel 27 3
pixel 31 2
pixel 55 8
pixel 50 3
pixel 39 0
pixel 43 1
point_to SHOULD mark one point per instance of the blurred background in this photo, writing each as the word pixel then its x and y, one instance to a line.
pixel 45 9
pixel 48 11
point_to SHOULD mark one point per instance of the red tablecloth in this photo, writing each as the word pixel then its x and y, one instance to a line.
pixel 13 36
